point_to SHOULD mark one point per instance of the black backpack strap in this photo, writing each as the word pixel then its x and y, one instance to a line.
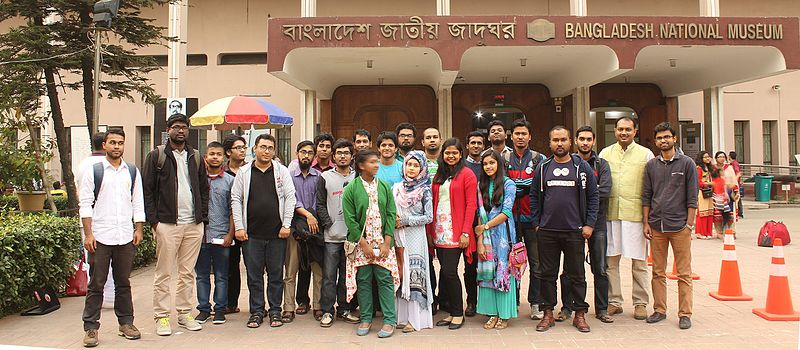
pixel 162 157
pixel 98 171
pixel 132 169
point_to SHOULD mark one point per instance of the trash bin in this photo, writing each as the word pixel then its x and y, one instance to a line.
pixel 763 187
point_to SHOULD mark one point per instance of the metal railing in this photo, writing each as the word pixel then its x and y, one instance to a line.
pixel 749 170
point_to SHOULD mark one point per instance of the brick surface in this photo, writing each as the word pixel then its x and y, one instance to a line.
pixel 716 324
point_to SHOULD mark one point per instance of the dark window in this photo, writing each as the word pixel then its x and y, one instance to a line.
pixel 245 58
pixel 198 59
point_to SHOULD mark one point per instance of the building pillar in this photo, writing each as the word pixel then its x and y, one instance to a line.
pixel 577 7
pixel 445 102
pixel 308 8
pixel 176 58
pixel 581 106
pixel 709 8
pixel 443 7
pixel 713 120
pixel 308 115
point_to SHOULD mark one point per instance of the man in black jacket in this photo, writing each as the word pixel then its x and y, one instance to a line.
pixel 584 140
pixel 176 207
pixel 564 204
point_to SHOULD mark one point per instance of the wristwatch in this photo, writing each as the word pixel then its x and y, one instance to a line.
pixel 691 228
pixel 486 227
pixel 464 234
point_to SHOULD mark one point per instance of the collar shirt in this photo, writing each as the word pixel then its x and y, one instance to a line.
pixel 115 210
pixel 185 200
pixel 306 188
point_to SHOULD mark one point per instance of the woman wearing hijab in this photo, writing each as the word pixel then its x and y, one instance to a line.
pixel 414 202
pixel 369 213
pixel 454 205
pixel 495 234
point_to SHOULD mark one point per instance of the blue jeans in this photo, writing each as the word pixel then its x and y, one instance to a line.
pixel 261 254
pixel 334 288
pixel 219 257
pixel 597 260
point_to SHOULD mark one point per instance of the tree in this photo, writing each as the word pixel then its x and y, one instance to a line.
pixel 55 39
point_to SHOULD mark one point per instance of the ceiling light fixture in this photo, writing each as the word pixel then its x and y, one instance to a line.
pixel 523 62
pixel 369 63
pixel 673 62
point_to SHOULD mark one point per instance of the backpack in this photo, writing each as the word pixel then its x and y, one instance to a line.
pixel 98 177
pixel 770 231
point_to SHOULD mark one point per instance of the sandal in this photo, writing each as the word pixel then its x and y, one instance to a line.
pixel 318 315
pixel 362 331
pixel 408 328
pixel 287 317
pixel 255 321
pixel 490 323
pixel 302 309
pixel 501 324
pixel 386 333
pixel 275 321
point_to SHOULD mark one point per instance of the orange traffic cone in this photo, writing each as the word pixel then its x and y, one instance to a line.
pixel 779 299
pixel 674 274
pixel 730 284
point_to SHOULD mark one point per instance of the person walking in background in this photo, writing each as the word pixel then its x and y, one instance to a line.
pixel 669 200
pixel 728 174
pixel 215 250
pixel 704 222
pixel 176 203
pixel 494 238
pixel 737 169
pixel 454 207
pixel 370 216
pixel 414 203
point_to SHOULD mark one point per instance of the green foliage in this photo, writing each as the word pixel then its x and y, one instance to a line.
pixel 12 203
pixel 145 251
pixel 37 250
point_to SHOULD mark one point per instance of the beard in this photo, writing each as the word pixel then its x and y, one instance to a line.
pixel 304 166
pixel 406 147
pixel 497 142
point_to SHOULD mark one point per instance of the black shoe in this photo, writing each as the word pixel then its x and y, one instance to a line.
pixel 454 326
pixel 685 322
pixel 219 317
pixel 434 309
pixel 470 311
pixel 202 317
pixel 656 317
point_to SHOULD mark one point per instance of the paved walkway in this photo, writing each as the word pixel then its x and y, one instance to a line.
pixel 717 325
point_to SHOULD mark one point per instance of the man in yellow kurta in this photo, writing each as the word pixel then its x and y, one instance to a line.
pixel 627 161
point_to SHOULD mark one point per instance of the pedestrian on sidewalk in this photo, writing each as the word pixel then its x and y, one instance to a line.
pixel 704 224
pixel 176 204
pixel 110 200
pixel 263 203
pixel 215 250
pixel 669 201
pixel 564 205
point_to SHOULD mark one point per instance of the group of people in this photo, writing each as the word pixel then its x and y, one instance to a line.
pixel 719 196
pixel 364 225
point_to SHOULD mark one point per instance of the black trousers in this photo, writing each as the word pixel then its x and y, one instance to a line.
pixel 303 284
pixel 450 293
pixel 597 261
pixel 551 245
pixel 527 234
pixel 471 278
pixel 234 276
pixel 120 259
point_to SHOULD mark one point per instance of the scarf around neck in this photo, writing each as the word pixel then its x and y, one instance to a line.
pixel 411 189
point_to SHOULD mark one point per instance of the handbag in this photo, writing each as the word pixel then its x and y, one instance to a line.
pixel 518 255
pixel 708 192
pixel 350 247
pixel 78 283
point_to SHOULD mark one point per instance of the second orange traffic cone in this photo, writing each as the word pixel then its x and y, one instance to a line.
pixel 730 284
pixel 674 274
pixel 779 299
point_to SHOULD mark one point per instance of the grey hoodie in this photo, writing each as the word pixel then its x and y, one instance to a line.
pixel 329 204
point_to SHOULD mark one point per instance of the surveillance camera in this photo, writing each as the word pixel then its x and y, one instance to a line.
pixel 776 88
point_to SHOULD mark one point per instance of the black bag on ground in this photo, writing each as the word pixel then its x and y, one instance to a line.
pixel 47 302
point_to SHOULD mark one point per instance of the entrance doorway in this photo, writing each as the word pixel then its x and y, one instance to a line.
pixel 485 115
pixel 603 121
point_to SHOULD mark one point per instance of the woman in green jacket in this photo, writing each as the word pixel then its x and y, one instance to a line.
pixel 370 216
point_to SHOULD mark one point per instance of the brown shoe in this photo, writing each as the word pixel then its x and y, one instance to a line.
pixel 639 312
pixel 90 339
pixel 129 331
pixel 546 322
pixel 613 310
pixel 579 321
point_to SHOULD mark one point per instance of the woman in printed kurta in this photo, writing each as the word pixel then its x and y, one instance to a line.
pixel 495 234
pixel 704 224
pixel 454 206
pixel 414 203
pixel 369 213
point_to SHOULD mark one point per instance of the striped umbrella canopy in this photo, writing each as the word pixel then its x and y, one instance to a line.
pixel 229 113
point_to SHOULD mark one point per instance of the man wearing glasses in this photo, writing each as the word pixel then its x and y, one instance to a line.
pixel 176 206
pixel 406 137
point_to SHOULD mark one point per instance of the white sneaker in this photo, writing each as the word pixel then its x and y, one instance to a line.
pixel 188 322
pixel 163 327
pixel 536 314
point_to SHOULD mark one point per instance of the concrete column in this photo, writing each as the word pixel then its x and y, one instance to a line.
pixel 445 101
pixel 176 58
pixel 308 8
pixel 443 7
pixel 577 7
pixel 308 115
pixel 713 120
pixel 709 8
pixel 581 106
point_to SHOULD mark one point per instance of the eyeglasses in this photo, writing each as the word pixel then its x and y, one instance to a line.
pixel 343 154
pixel 239 148
pixel 264 148
pixel 306 153
pixel 179 128
pixel 406 136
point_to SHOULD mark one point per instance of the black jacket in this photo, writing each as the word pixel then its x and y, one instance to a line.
pixel 588 200
pixel 603 173
pixel 161 189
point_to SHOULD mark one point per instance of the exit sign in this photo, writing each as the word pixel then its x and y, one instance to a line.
pixel 499 100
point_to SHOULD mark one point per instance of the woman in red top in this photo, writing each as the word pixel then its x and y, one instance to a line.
pixel 454 207
pixel 704 225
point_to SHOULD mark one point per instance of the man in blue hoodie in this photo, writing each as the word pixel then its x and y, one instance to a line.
pixel 564 206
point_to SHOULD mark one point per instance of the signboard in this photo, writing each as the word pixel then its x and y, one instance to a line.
pixel 176 106
pixel 81 144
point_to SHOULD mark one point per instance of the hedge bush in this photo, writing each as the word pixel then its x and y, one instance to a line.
pixel 40 250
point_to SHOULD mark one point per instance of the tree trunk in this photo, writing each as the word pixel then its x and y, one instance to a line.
pixel 64 150
pixel 87 75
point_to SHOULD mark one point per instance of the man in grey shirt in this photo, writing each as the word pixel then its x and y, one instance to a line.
pixel 669 202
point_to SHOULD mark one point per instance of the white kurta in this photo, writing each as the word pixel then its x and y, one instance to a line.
pixel 626 238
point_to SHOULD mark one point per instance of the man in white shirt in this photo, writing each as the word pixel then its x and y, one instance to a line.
pixel 109 204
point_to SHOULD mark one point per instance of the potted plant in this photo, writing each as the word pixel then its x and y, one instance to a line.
pixel 22 166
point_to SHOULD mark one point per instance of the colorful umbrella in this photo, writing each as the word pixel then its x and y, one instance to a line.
pixel 240 112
